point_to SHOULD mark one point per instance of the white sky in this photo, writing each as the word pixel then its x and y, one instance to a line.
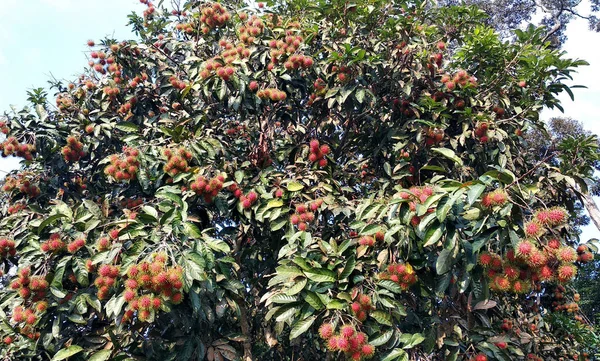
pixel 51 39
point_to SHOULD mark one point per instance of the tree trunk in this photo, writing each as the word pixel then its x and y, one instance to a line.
pixel 591 207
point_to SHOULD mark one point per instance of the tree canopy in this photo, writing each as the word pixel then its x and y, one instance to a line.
pixel 296 180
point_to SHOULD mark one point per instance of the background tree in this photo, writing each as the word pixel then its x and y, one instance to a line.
pixel 292 181
pixel 505 15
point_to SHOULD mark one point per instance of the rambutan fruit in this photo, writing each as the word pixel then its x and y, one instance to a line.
pixel 332 343
pixel 326 331
pixel 566 255
pixel 557 216
pixel 502 283
pixel 533 229
pixel 485 259
pixel 347 331
pixel 566 273
pixel 524 249
pixel 511 272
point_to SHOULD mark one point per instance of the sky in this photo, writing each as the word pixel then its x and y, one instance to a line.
pixel 50 40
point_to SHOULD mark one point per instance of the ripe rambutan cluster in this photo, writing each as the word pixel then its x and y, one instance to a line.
pixel 461 78
pixel 320 90
pixel 208 188
pixel 417 195
pixel 552 217
pixel 131 203
pixel 7 248
pixel 111 92
pixel 369 241
pixel 318 153
pixel 213 16
pixel 188 28
pixel 343 73
pixel 107 278
pixel 29 287
pixel 298 61
pixel 23 184
pixel 583 254
pixel 481 132
pixel 15 208
pixel 125 108
pixel 64 102
pixel 304 214
pixel 73 151
pixel 273 94
pixel 11 146
pixel 401 273
pixel 177 83
pixel 253 28
pixel 348 340
pixel 149 284
pixel 288 45
pixel 177 161
pixel 53 245
pixel 361 307
pixel 4 127
pixel 534 229
pixel 248 199
pixel 76 245
pixel 124 167
pixel 497 198
pixel 26 318
pixel 433 136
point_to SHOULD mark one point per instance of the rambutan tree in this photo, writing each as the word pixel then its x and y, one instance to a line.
pixel 295 180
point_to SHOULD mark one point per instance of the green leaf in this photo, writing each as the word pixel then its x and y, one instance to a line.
pixel 49 221
pixel 390 285
pixel 434 233
pixel 396 355
pixel 320 275
pixel 382 317
pixel 411 341
pixel 444 261
pixel 348 268
pixel 127 127
pixel 102 355
pixel 191 230
pixel 301 326
pixel 312 299
pixel 294 187
pixel 474 193
pixel 448 153
pixel 67 352
pixel 382 339
pixel 282 298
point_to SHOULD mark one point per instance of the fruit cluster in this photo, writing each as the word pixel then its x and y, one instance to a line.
pixel 188 28
pixel 433 136
pixel 22 184
pixel 213 16
pixel 53 245
pixel 302 217
pixel 28 286
pixel 289 45
pixel 177 161
pixel 26 318
pixel 4 127
pixel 11 146
pixel 496 198
pixel 369 241
pixel 76 245
pixel 272 93
pixel 148 284
pixel 253 28
pixel 247 200
pixel 15 208
pixel 215 66
pixel 208 188
pixel 124 167
pixel 73 151
pixel 318 153
pixel 479 357
pixel 401 273
pixel 348 340
pixel 298 61
pixel 320 89
pixel 583 254
pixel 461 78
pixel 125 108
pixel 417 195
pixel 107 275
pixel 481 132
pixel 528 264
pixel 343 73
pixel 7 248
pixel 131 203
pixel 112 92
pixel 361 307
